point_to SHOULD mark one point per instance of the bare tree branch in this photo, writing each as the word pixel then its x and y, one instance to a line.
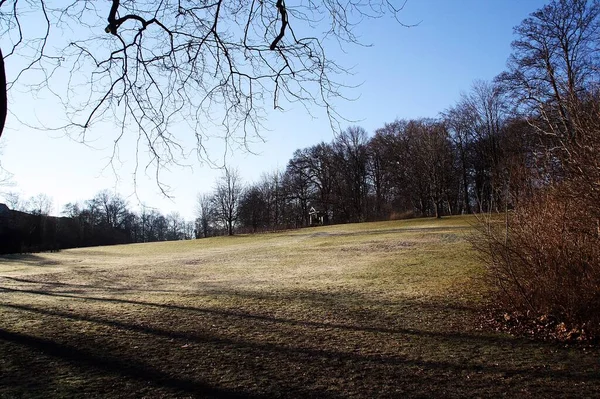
pixel 3 94
pixel 214 65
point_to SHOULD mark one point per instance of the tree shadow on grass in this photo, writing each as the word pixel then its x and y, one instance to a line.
pixel 327 298
pixel 125 367
pixel 237 314
pixel 243 352
pixel 27 259
pixel 79 289
pixel 201 338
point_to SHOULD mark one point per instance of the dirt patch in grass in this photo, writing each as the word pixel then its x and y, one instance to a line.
pixel 390 312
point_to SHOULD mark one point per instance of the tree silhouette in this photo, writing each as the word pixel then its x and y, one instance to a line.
pixel 149 66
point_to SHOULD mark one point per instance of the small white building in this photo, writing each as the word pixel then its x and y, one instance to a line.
pixel 316 218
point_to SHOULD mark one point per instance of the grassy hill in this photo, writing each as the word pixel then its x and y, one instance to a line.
pixel 386 309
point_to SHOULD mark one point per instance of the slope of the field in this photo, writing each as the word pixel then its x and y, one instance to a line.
pixel 366 310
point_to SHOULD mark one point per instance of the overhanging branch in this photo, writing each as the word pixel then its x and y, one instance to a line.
pixel 284 21
pixel 3 96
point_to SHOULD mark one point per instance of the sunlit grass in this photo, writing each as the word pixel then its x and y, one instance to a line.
pixel 359 310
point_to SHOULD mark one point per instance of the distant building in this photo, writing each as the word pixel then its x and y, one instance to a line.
pixel 316 218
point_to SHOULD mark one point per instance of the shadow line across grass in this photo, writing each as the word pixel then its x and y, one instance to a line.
pixel 271 320
pixel 70 353
pixel 238 315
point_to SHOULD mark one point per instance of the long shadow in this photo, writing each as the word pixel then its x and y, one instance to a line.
pixel 324 234
pixel 77 288
pixel 298 353
pixel 336 298
pixel 129 368
pixel 28 259
pixel 271 319
pixel 293 295
pixel 59 284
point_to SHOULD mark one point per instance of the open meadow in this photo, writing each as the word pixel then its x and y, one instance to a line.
pixel 388 309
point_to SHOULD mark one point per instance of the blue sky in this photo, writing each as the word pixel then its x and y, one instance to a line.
pixel 406 73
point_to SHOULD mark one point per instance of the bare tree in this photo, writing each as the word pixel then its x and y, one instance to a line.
pixel 390 169
pixel 150 65
pixel 315 165
pixel 14 201
pixel 226 198
pixel 431 163
pixel 272 191
pixel 188 230
pixel 253 208
pixel 39 204
pixel 351 154
pixel 555 60
pixel 204 215
pixel 298 190
pixel 459 121
pixel 176 226
pixel 112 209
pixel 476 126
pixel 554 71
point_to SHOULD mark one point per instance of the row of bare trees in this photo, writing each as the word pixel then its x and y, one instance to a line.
pixel 454 164
pixel 39 204
pixel 105 219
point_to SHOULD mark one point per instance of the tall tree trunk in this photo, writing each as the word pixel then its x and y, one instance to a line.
pixel 465 179
pixel 3 96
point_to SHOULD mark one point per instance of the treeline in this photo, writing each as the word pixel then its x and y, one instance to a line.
pixel 103 220
pixel 461 162
pixel 108 212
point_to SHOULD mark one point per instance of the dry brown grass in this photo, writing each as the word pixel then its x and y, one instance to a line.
pixel 383 309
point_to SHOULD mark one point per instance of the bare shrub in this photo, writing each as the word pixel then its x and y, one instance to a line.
pixel 545 259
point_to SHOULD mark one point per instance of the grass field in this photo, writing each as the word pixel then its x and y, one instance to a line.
pixel 366 310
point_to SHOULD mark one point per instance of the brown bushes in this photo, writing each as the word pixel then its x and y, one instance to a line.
pixel 545 260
